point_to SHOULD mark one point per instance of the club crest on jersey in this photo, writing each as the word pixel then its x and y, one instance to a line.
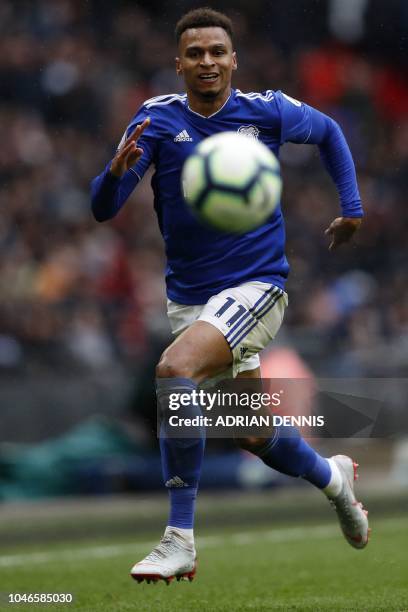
pixel 249 130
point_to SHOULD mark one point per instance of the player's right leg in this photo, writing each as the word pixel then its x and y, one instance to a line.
pixel 200 352
pixel 285 450
pixel 250 317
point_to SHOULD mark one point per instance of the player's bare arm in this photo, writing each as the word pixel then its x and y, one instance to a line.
pixel 341 230
pixel 129 153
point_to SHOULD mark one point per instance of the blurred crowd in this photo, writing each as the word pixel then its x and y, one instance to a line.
pixel 87 296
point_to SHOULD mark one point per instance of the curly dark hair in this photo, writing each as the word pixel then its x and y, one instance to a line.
pixel 204 17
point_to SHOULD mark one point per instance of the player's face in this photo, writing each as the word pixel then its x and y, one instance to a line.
pixel 206 62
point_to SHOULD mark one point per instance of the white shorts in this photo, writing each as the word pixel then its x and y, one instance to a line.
pixel 249 316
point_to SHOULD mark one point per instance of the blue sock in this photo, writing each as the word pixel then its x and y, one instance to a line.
pixel 181 457
pixel 288 453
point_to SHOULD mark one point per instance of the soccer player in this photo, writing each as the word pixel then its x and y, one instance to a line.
pixel 209 273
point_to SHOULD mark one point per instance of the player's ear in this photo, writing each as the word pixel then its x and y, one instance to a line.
pixel 234 60
pixel 179 70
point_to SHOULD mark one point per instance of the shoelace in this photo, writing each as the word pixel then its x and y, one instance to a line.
pixel 168 545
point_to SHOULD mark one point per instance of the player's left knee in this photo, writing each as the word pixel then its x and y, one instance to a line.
pixel 170 366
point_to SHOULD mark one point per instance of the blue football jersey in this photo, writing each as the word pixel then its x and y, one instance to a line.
pixel 202 261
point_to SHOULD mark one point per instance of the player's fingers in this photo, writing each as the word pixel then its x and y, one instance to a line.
pixel 138 131
pixel 134 156
pixel 134 135
pixel 339 239
pixel 336 238
pixel 127 150
pixel 334 244
pixel 128 146
pixel 132 151
pixel 126 159
pixel 144 125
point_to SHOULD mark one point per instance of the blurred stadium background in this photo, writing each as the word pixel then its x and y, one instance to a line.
pixel 82 305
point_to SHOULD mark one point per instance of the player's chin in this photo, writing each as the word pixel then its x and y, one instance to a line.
pixel 209 95
pixel 210 92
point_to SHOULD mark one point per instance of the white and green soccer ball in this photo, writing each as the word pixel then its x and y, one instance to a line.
pixel 232 182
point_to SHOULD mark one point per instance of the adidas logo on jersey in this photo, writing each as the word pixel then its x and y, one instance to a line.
pixel 183 137
pixel 175 483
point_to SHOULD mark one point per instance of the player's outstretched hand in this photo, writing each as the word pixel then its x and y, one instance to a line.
pixel 342 230
pixel 129 153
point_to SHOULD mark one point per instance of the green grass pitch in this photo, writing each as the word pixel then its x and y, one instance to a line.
pixel 291 567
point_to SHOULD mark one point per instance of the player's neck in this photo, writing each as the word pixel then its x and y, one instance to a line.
pixel 207 106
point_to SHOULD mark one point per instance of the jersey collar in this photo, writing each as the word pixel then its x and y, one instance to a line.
pixel 216 112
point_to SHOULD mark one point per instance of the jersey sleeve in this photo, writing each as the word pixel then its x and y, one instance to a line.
pixel 108 192
pixel 300 124
pixel 295 119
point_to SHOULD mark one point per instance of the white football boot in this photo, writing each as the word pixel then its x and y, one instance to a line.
pixel 350 512
pixel 173 557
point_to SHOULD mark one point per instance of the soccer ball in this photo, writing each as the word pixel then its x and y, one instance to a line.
pixel 232 182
